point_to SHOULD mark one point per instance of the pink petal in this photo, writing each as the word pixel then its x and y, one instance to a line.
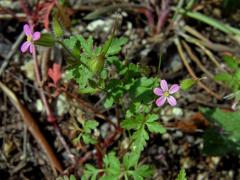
pixel 36 36
pixel 27 30
pixel 158 91
pixel 25 46
pixel 164 85
pixel 31 48
pixel 171 100
pixel 160 101
pixel 174 88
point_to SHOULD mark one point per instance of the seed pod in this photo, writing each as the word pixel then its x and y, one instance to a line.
pixel 46 39
pixel 97 64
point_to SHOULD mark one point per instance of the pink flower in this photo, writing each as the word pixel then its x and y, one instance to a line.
pixel 31 37
pixel 165 93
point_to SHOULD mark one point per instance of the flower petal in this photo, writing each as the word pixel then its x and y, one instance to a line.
pixel 160 101
pixel 27 30
pixel 31 48
pixel 171 100
pixel 158 91
pixel 25 46
pixel 174 88
pixel 36 36
pixel 164 85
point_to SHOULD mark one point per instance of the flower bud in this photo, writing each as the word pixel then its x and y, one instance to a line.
pixel 46 39
pixel 97 64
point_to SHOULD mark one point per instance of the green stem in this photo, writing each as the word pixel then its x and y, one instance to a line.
pixel 50 115
pixel 210 21
pixel 72 55
pixel 108 43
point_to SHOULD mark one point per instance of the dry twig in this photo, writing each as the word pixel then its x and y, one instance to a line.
pixel 33 128
pixel 190 71
pixel 198 62
pixel 11 53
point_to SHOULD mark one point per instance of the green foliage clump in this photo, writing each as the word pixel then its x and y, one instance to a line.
pixel 115 169
pixel 71 177
pixel 86 132
pixel 123 84
pixel 181 175
pixel 232 78
pixel 91 75
pixel 224 137
pixel 140 124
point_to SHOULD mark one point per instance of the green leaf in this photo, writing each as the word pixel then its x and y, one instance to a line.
pixel 109 177
pixel 111 164
pixel 70 42
pixel 186 84
pixel 108 102
pixel 143 171
pixel 227 137
pixel 88 90
pixel 230 121
pixel 231 62
pixel 140 138
pixel 86 135
pixel 152 117
pixel 72 177
pixel 131 159
pixel 131 71
pixel 87 139
pixel 181 175
pixel 226 77
pixel 141 90
pixel 90 172
pixel 136 108
pixel 77 139
pixel 136 176
pixel 90 124
pixel 86 45
pixel 155 127
pixel 104 74
pixel 133 123
pixel 57 28
pixel 216 144
pixel 237 76
pixel 82 75
pixel 116 46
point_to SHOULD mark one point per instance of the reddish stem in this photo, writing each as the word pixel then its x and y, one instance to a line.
pixel 50 115
pixel 99 155
pixel 162 16
pixel 26 10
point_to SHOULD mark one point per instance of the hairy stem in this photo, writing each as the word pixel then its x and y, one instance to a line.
pixel 50 115
pixel 72 55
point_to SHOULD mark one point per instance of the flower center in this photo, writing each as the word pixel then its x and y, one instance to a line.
pixel 29 38
pixel 166 94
